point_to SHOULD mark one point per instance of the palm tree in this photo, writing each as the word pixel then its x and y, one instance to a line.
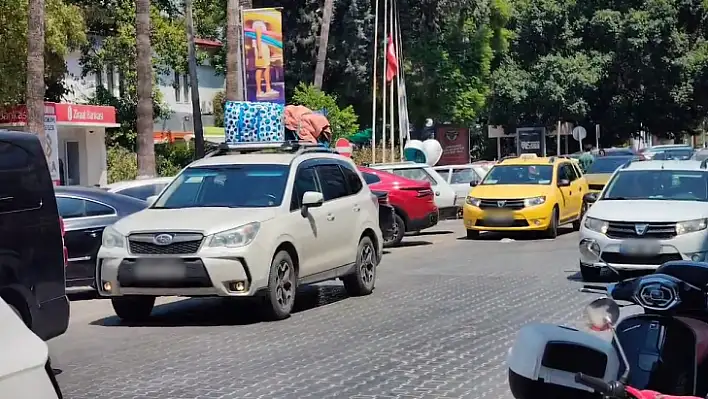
pixel 322 45
pixel 234 74
pixel 145 141
pixel 34 96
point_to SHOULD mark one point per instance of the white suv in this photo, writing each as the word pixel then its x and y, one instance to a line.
pixel 649 213
pixel 245 225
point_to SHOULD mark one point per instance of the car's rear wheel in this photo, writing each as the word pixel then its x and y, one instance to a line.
pixel 399 230
pixel 472 234
pixel 590 274
pixel 552 230
pixel 282 287
pixel 133 308
pixel 363 279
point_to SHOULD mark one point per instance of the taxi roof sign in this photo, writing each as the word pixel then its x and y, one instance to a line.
pixel 528 156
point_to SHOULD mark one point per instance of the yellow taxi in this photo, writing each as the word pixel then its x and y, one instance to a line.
pixel 527 193
pixel 602 168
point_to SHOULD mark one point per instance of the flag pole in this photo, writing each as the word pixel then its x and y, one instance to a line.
pixel 390 99
pixel 383 99
pixel 373 95
pixel 401 84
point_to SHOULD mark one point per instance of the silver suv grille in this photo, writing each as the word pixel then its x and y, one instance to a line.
pixel 501 203
pixel 178 244
pixel 661 230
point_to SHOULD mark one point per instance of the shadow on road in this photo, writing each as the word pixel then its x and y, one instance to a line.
pixel 429 233
pixel 515 235
pixel 404 244
pixel 83 296
pixel 607 276
pixel 208 312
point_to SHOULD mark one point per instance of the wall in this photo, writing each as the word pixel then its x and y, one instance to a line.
pixel 92 153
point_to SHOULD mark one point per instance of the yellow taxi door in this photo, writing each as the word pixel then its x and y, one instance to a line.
pixel 565 202
pixel 576 191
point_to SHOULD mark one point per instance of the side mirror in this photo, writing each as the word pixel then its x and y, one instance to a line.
pixel 311 199
pixel 563 183
pixel 151 199
pixel 602 314
pixel 474 183
pixel 590 198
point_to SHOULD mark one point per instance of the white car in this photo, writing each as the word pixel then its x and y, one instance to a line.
pixel 140 189
pixel 649 213
pixel 245 225
pixel 460 177
pixel 445 197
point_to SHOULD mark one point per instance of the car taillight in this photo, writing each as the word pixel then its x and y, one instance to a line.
pixel 420 192
pixel 384 200
pixel 63 244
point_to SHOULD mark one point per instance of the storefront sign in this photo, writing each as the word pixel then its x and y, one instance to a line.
pixel 455 144
pixel 531 140
pixel 51 144
pixel 66 114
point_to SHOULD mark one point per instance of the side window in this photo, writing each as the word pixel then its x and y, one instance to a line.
pixel 305 180
pixel 463 176
pixel 96 209
pixel 70 208
pixel 370 178
pixel 415 174
pixel 19 186
pixel 577 170
pixel 570 171
pixel 445 173
pixel 562 173
pixel 142 192
pixel 353 179
pixel 334 184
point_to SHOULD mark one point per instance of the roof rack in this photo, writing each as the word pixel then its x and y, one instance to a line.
pixel 296 147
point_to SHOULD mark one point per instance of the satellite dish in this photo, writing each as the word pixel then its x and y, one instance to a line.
pixel 427 152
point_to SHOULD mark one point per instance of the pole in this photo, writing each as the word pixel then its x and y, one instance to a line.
pixel 405 127
pixel 385 67
pixel 194 83
pixel 373 96
pixel 597 136
pixel 498 147
pixel 390 97
pixel 558 139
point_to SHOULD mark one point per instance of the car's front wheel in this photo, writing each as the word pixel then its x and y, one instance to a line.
pixel 282 287
pixel 583 209
pixel 362 280
pixel 472 234
pixel 552 230
pixel 590 274
pixel 133 308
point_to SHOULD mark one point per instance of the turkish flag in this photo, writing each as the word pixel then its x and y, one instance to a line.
pixel 392 67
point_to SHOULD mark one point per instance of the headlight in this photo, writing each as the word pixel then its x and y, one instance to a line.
pixel 112 238
pixel 534 201
pixel 472 201
pixel 235 238
pixel 597 225
pixel 690 226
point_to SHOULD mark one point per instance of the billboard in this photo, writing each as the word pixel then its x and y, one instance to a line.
pixel 455 142
pixel 263 55
pixel 531 140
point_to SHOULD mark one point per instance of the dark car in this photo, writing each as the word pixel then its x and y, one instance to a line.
pixel 86 212
pixel 387 218
pixel 31 246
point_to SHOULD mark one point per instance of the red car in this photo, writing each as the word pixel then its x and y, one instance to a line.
pixel 412 200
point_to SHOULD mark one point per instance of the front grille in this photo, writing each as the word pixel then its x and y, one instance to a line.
pixel 629 230
pixel 596 187
pixel 614 257
pixel 512 223
pixel 501 203
pixel 182 244
pixel 193 274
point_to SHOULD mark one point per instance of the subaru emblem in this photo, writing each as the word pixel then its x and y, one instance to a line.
pixel 640 229
pixel 501 204
pixel 162 239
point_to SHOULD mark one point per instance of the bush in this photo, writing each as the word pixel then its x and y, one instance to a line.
pixel 362 155
pixel 219 100
pixel 122 164
pixel 343 122
pixel 170 158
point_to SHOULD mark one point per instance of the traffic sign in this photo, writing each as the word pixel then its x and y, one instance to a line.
pixel 579 133
pixel 344 147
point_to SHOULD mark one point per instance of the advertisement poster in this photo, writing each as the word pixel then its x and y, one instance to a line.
pixel 455 142
pixel 51 144
pixel 531 140
pixel 263 55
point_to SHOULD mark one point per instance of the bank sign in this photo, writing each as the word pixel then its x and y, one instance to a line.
pixel 531 140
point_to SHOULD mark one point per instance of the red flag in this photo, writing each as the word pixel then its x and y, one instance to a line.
pixel 392 67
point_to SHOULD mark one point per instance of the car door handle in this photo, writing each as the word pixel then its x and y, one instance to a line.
pixel 330 217
pixel 437 193
pixel 94 232
pixel 356 208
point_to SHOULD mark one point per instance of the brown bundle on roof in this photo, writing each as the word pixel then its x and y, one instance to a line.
pixel 308 125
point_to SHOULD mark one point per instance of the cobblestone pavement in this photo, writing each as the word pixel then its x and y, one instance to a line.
pixel 439 325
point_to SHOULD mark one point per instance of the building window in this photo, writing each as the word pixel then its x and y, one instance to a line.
pixel 99 78
pixel 178 88
pixel 110 86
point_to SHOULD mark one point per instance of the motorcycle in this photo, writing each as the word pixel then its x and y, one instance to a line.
pixel 663 349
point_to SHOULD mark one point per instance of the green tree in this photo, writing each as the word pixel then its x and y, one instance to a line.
pixel 343 122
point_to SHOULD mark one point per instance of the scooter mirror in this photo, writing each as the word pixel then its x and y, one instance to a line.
pixel 602 314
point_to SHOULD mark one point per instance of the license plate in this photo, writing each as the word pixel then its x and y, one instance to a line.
pixel 640 248
pixel 500 217
pixel 159 270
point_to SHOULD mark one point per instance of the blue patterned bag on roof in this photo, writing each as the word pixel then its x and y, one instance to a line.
pixel 253 122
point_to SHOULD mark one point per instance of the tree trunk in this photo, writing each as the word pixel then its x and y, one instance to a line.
pixel 145 141
pixel 34 96
pixel 322 46
pixel 234 73
pixel 194 83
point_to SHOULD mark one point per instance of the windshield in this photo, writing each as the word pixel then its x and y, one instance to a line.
pixel 700 155
pixel 658 184
pixel 682 154
pixel 228 186
pixel 606 164
pixel 519 174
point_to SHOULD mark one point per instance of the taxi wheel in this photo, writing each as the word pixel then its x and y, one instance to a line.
pixel 472 234
pixel 590 274
pixel 552 230
pixel 133 308
pixel 576 224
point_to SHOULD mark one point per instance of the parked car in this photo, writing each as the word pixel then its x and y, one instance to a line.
pixel 250 221
pixel 412 200
pixel 140 189
pixel 387 215
pixel 32 253
pixel 700 155
pixel 445 197
pixel 460 177
pixel 668 150
pixel 86 212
